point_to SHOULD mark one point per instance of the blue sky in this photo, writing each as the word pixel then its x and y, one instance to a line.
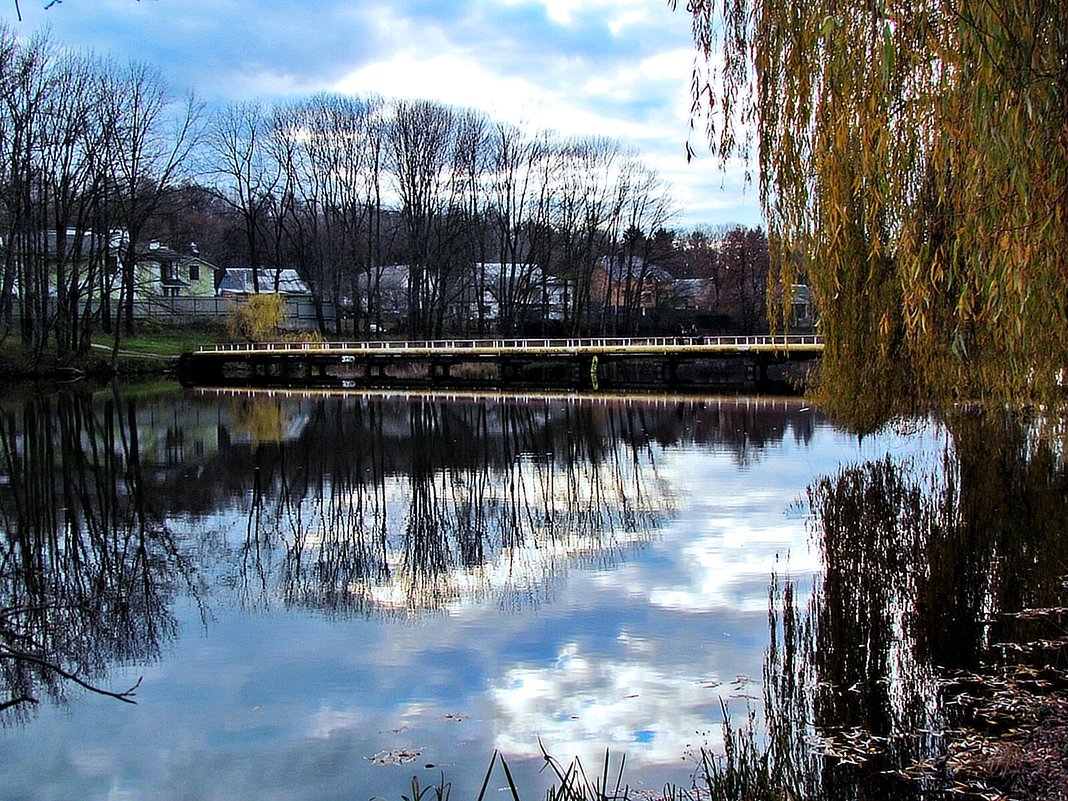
pixel 619 68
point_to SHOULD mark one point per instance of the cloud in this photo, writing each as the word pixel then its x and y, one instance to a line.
pixel 617 68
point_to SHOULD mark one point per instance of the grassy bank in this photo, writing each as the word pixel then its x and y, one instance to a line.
pixel 151 351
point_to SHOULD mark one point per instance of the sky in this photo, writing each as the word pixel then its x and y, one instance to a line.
pixel 617 68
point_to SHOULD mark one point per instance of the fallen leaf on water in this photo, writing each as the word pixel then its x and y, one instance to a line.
pixel 396 756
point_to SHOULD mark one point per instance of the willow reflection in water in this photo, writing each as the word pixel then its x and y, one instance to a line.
pixel 933 645
pixel 404 509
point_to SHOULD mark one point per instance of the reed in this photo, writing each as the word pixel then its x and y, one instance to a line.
pixel 750 769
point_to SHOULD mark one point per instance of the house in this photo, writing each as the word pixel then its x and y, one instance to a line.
pixel 238 281
pixel 86 263
pixel 383 296
pixel 533 294
pixel 622 280
pixel 802 307
pixel 83 255
pixel 167 273
pixel 694 294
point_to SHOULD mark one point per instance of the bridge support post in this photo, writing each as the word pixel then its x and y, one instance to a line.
pixel 508 371
pixel 669 371
pixel 756 371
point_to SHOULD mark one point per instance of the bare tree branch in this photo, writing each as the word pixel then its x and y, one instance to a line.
pixel 125 696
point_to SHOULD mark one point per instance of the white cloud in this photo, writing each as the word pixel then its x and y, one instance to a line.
pixel 450 79
pixel 618 68
pixel 618 14
pixel 582 105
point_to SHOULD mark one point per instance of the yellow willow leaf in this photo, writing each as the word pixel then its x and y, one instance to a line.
pixel 929 161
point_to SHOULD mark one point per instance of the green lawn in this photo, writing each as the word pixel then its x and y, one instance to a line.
pixel 165 341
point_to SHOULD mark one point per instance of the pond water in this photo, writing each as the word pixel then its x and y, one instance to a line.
pixel 322 595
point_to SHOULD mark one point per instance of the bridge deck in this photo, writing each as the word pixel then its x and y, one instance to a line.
pixel 803 345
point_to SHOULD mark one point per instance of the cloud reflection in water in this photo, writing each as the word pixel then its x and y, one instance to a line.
pixel 389 576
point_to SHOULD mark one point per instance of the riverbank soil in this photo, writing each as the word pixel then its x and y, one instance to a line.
pixel 1027 765
pixel 1037 767
pixel 1014 744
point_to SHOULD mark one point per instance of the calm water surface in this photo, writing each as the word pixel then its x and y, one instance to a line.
pixel 324 595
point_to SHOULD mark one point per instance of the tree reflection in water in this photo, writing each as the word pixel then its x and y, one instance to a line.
pixel 114 505
pixel 87 569
pixel 487 499
pixel 937 625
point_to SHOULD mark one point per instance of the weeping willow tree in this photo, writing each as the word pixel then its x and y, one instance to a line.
pixel 913 163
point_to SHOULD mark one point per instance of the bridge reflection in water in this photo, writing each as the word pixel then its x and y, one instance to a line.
pixel 743 361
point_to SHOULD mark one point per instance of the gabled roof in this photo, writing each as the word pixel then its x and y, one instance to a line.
pixel 632 267
pixel 153 251
pixel 387 278
pixel 238 281
pixel 157 252
pixel 74 240
pixel 691 287
pixel 493 270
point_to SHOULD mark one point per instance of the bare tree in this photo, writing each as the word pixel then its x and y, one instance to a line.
pixel 53 180
pixel 149 148
pixel 246 174
pixel 745 273
pixel 335 157
pixel 518 185
pixel 642 208
pixel 582 207
pixel 25 88
pixel 70 178
pixel 419 143
pixel 461 232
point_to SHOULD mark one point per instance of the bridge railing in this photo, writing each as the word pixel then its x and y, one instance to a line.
pixel 527 344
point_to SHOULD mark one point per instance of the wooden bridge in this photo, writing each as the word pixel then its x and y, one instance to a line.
pixel 582 362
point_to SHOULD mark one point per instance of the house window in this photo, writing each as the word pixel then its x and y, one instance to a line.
pixel 194 272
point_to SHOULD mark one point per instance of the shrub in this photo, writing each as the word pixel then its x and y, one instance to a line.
pixel 259 318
